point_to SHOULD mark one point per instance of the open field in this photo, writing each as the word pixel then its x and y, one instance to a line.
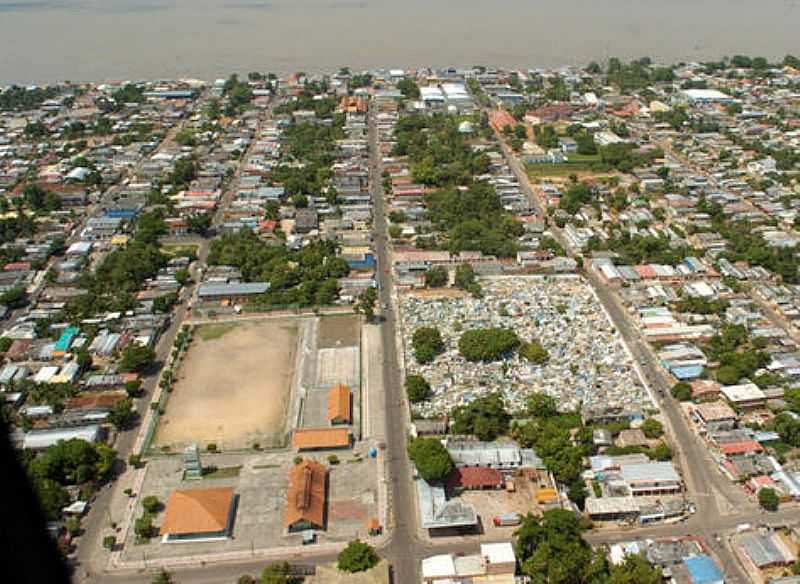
pixel 577 164
pixel 232 387
pixel 338 331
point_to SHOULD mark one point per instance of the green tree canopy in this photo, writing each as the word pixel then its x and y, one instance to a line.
pixel 487 344
pixel 436 277
pixel 485 417
pixel 431 458
pixel 427 343
pixel 682 391
pixel 357 557
pixel 417 388
pixel 534 352
pixel 136 357
pixel 768 499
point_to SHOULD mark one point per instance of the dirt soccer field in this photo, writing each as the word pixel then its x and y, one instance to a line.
pixel 233 386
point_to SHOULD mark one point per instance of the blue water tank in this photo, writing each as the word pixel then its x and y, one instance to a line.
pixel 372 452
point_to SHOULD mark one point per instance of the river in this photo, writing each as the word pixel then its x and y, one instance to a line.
pixel 53 40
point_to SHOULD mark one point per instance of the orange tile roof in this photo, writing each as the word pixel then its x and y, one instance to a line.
pixel 197 511
pixel 305 498
pixel 741 447
pixel 339 407
pixel 311 438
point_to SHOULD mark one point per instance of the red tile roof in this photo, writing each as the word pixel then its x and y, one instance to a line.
pixel 742 447
pixel 473 477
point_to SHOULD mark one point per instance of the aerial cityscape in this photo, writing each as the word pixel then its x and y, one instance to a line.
pixel 414 325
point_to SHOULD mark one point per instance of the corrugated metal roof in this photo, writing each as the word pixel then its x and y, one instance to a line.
pixel 233 289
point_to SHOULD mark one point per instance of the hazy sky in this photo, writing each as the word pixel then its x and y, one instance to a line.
pixel 51 40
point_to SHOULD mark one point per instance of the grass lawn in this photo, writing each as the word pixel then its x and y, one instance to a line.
pixel 187 250
pixel 209 332
pixel 576 163
pixel 226 472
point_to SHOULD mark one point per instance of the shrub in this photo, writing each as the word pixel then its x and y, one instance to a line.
pixel 143 526
pixel 151 504
pixel 534 352
pixel 333 459
pixel 212 447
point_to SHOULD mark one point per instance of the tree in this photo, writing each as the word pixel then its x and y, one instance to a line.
pixel 164 304
pixel 465 276
pixel 661 452
pixel 431 459
pixel 279 573
pixel 14 298
pixel 417 388
pixel 486 417
pixel 366 303
pixel 52 497
pixel 136 357
pixel 788 429
pixel 109 542
pixel 163 577
pixel 768 499
pixel 551 549
pixel 436 277
pixel 427 343
pixel 487 344
pixel 652 428
pixel 534 352
pixel 409 88
pixel 151 504
pixel 74 462
pixel 133 388
pixel 84 359
pixel 184 172
pixel 121 414
pixel 357 557
pixel 143 526
pixel 728 375
pixel 198 223
pixel 541 405
pixel 635 570
pixel 681 391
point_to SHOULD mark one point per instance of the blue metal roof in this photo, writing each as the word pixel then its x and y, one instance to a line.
pixel 687 372
pixel 702 569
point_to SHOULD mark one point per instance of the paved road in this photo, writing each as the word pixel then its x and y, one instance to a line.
pixel 404 543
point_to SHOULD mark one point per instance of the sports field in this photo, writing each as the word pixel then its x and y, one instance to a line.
pixel 232 387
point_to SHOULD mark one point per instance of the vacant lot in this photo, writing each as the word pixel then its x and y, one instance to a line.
pixel 233 386
pixel 338 331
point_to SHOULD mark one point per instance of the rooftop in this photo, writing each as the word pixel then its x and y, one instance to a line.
pixel 198 511
pixel 305 497
pixel 311 438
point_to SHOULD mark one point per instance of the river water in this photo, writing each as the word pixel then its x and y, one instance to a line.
pixel 52 40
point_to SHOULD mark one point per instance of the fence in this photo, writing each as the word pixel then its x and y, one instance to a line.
pixel 183 339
